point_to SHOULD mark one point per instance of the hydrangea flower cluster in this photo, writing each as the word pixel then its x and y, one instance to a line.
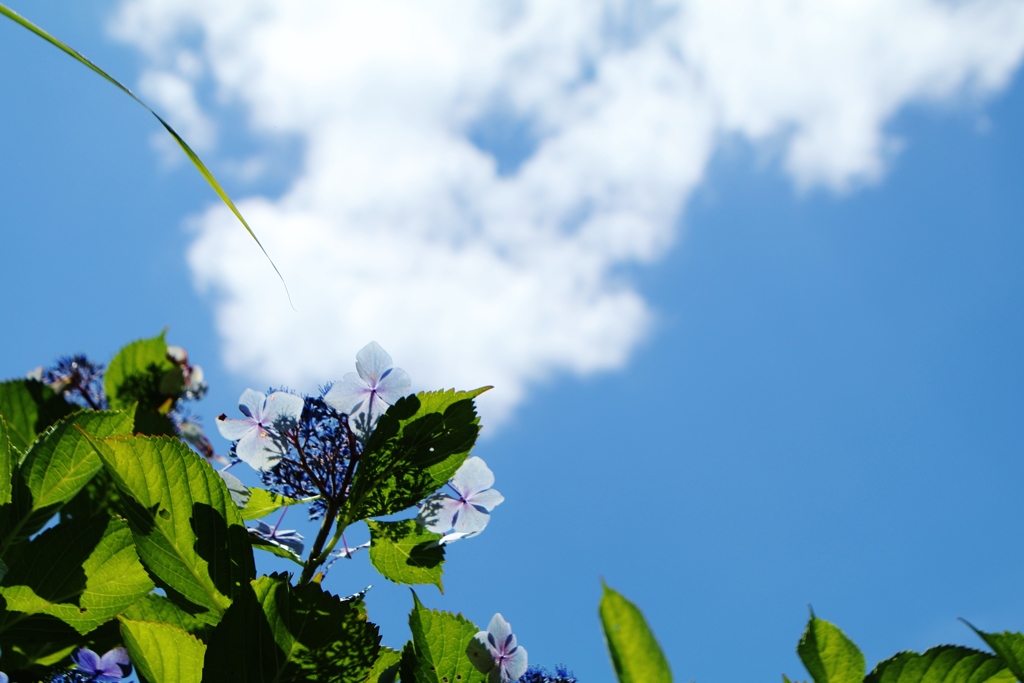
pixel 77 378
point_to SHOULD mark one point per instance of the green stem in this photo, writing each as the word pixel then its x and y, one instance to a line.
pixel 316 556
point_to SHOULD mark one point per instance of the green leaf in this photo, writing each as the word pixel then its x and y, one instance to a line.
pixel 385 669
pixel 83 573
pixel 157 608
pixel 437 652
pixel 137 374
pixel 164 653
pixel 59 465
pixel 635 652
pixel 6 466
pixel 416 447
pixel 1008 646
pixel 943 664
pixel 55 469
pixel 292 634
pixel 262 503
pixel 187 529
pixel 193 157
pixel 29 407
pixel 405 552
pixel 828 655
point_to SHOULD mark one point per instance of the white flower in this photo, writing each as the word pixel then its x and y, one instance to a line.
pixel 375 386
pixel 496 653
pixel 260 434
pixel 468 514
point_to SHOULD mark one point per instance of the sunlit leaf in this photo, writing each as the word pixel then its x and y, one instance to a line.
pixel 187 528
pixel 405 552
pixel 29 407
pixel 943 664
pixel 437 652
pixel 164 653
pixel 828 655
pixel 635 652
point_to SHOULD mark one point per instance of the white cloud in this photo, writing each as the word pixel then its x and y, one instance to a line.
pixel 398 228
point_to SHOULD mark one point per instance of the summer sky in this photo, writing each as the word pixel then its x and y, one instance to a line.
pixel 745 275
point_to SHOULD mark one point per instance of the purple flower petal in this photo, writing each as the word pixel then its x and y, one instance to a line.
pixel 251 403
pixel 86 659
pixel 115 664
pixel 480 653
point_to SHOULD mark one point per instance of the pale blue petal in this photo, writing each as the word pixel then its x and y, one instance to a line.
pixel 499 630
pixel 233 430
pixel 480 653
pixel 470 520
pixel 514 666
pixel 394 385
pixel 438 513
pixel 372 362
pixel 347 395
pixel 259 450
pixel 283 410
pixel 292 540
pixel 487 500
pixel 4 678
pixel 473 477
pixel 251 403
pixel 448 539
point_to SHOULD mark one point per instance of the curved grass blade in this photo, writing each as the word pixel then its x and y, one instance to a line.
pixel 189 152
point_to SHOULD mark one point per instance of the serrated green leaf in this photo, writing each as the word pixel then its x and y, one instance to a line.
pixel 1008 646
pixel 416 447
pixel 943 664
pixel 635 652
pixel 828 655
pixel 83 573
pixel 59 465
pixel 292 634
pixel 54 470
pixel 385 669
pixel 6 465
pixel 159 609
pixel 187 529
pixel 29 407
pixel 405 552
pixel 262 503
pixel 164 653
pixel 189 152
pixel 437 652
pixel 136 373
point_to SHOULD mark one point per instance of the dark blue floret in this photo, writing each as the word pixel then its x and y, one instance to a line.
pixel 538 674
pixel 319 463
pixel 79 379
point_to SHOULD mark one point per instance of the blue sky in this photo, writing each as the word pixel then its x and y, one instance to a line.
pixel 820 402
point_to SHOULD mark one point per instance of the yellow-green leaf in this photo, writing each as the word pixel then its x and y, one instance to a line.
pixel 635 652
